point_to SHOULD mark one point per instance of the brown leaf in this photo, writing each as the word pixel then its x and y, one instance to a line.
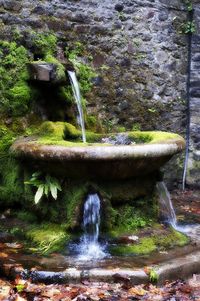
pixel 3 255
pixel 137 291
pixel 18 298
pixel 5 290
pixel 185 289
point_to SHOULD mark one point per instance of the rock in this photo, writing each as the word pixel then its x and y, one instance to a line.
pixel 119 139
pixel 39 10
pixel 5 237
pixel 128 239
pixel 119 7
pixel 44 72
pixel 163 16
pixel 12 5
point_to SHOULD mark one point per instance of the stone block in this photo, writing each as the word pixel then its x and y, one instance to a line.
pixel 14 6
pixel 195 92
pixel 44 72
pixel 195 66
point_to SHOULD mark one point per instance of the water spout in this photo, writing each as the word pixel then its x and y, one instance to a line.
pixel 77 96
pixel 89 247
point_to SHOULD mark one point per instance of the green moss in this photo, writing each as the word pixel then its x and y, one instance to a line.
pixel 84 72
pixel 26 216
pixel 60 68
pixel 48 238
pixel 59 133
pixel 70 132
pixel 11 189
pixel 91 122
pixel 6 139
pixel 129 218
pixel 121 129
pixel 51 129
pixel 74 199
pixel 65 94
pixel 21 91
pixel 136 127
pixel 85 75
pixel 146 246
pixel 175 238
pixel 53 133
pixel 150 244
pixel 11 186
pixel 153 136
pixel 43 43
pixel 15 95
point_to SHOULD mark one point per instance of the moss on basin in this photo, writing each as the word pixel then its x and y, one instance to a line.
pixel 66 134
pixel 94 159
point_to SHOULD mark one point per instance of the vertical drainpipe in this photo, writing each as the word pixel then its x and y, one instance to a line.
pixel 190 19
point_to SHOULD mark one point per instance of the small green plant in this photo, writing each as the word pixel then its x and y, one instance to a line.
pixel 153 276
pixel 20 288
pixel 44 43
pixel 152 110
pixel 136 127
pixel 46 185
pixel 104 67
pixel 121 16
pixel 189 27
pixel 189 5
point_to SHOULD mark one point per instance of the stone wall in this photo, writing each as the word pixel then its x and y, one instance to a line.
pixel 137 48
pixel 193 176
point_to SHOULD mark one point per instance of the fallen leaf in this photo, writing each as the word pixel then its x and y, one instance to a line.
pixel 185 289
pixel 14 245
pixel 137 291
pixel 3 255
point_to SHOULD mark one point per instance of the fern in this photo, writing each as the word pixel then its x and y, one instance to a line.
pixel 46 186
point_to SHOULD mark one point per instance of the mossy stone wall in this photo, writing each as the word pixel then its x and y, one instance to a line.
pixel 136 47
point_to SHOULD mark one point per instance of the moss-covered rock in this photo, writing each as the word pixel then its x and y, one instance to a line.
pixel 147 245
pixel 48 238
pixel 11 186
pixel 15 94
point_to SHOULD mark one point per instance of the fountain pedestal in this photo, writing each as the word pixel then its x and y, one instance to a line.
pixel 121 174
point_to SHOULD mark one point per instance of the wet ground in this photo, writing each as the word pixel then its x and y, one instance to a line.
pixel 14 253
pixel 187 205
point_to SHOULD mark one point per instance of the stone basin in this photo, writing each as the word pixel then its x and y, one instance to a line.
pixel 95 160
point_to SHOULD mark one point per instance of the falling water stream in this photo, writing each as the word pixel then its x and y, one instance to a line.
pixel 170 215
pixel 166 204
pixel 77 96
pixel 89 247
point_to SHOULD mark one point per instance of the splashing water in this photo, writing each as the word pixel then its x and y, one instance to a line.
pixel 170 215
pixel 77 96
pixel 90 249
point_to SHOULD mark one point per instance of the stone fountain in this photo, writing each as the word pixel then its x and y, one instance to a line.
pixel 103 183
